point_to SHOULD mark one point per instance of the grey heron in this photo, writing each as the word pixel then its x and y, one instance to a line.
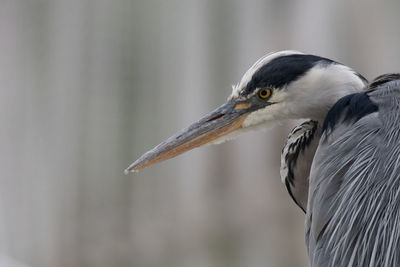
pixel 341 166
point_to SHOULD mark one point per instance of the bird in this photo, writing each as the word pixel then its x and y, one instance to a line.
pixel 341 166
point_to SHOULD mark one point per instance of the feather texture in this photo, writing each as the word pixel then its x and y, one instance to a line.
pixel 353 214
pixel 296 158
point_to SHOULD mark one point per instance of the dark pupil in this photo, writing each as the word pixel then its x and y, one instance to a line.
pixel 263 93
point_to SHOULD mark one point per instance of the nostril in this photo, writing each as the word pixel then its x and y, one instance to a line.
pixel 215 118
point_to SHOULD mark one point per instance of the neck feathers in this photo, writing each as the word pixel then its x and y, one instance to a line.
pixel 321 87
pixel 296 159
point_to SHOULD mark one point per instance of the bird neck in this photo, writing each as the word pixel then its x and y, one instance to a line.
pixel 316 92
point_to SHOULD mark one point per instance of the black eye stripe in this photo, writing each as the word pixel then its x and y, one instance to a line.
pixel 282 71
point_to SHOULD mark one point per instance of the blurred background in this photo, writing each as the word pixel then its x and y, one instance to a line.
pixel 87 86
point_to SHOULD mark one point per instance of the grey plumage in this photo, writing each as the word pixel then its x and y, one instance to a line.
pixel 353 215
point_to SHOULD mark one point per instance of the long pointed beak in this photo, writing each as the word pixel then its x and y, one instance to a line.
pixel 220 122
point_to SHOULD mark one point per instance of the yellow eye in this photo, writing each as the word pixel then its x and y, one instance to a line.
pixel 264 93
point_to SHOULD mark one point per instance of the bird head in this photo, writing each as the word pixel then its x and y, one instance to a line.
pixel 279 86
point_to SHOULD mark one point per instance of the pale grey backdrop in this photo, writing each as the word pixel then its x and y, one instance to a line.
pixel 86 86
